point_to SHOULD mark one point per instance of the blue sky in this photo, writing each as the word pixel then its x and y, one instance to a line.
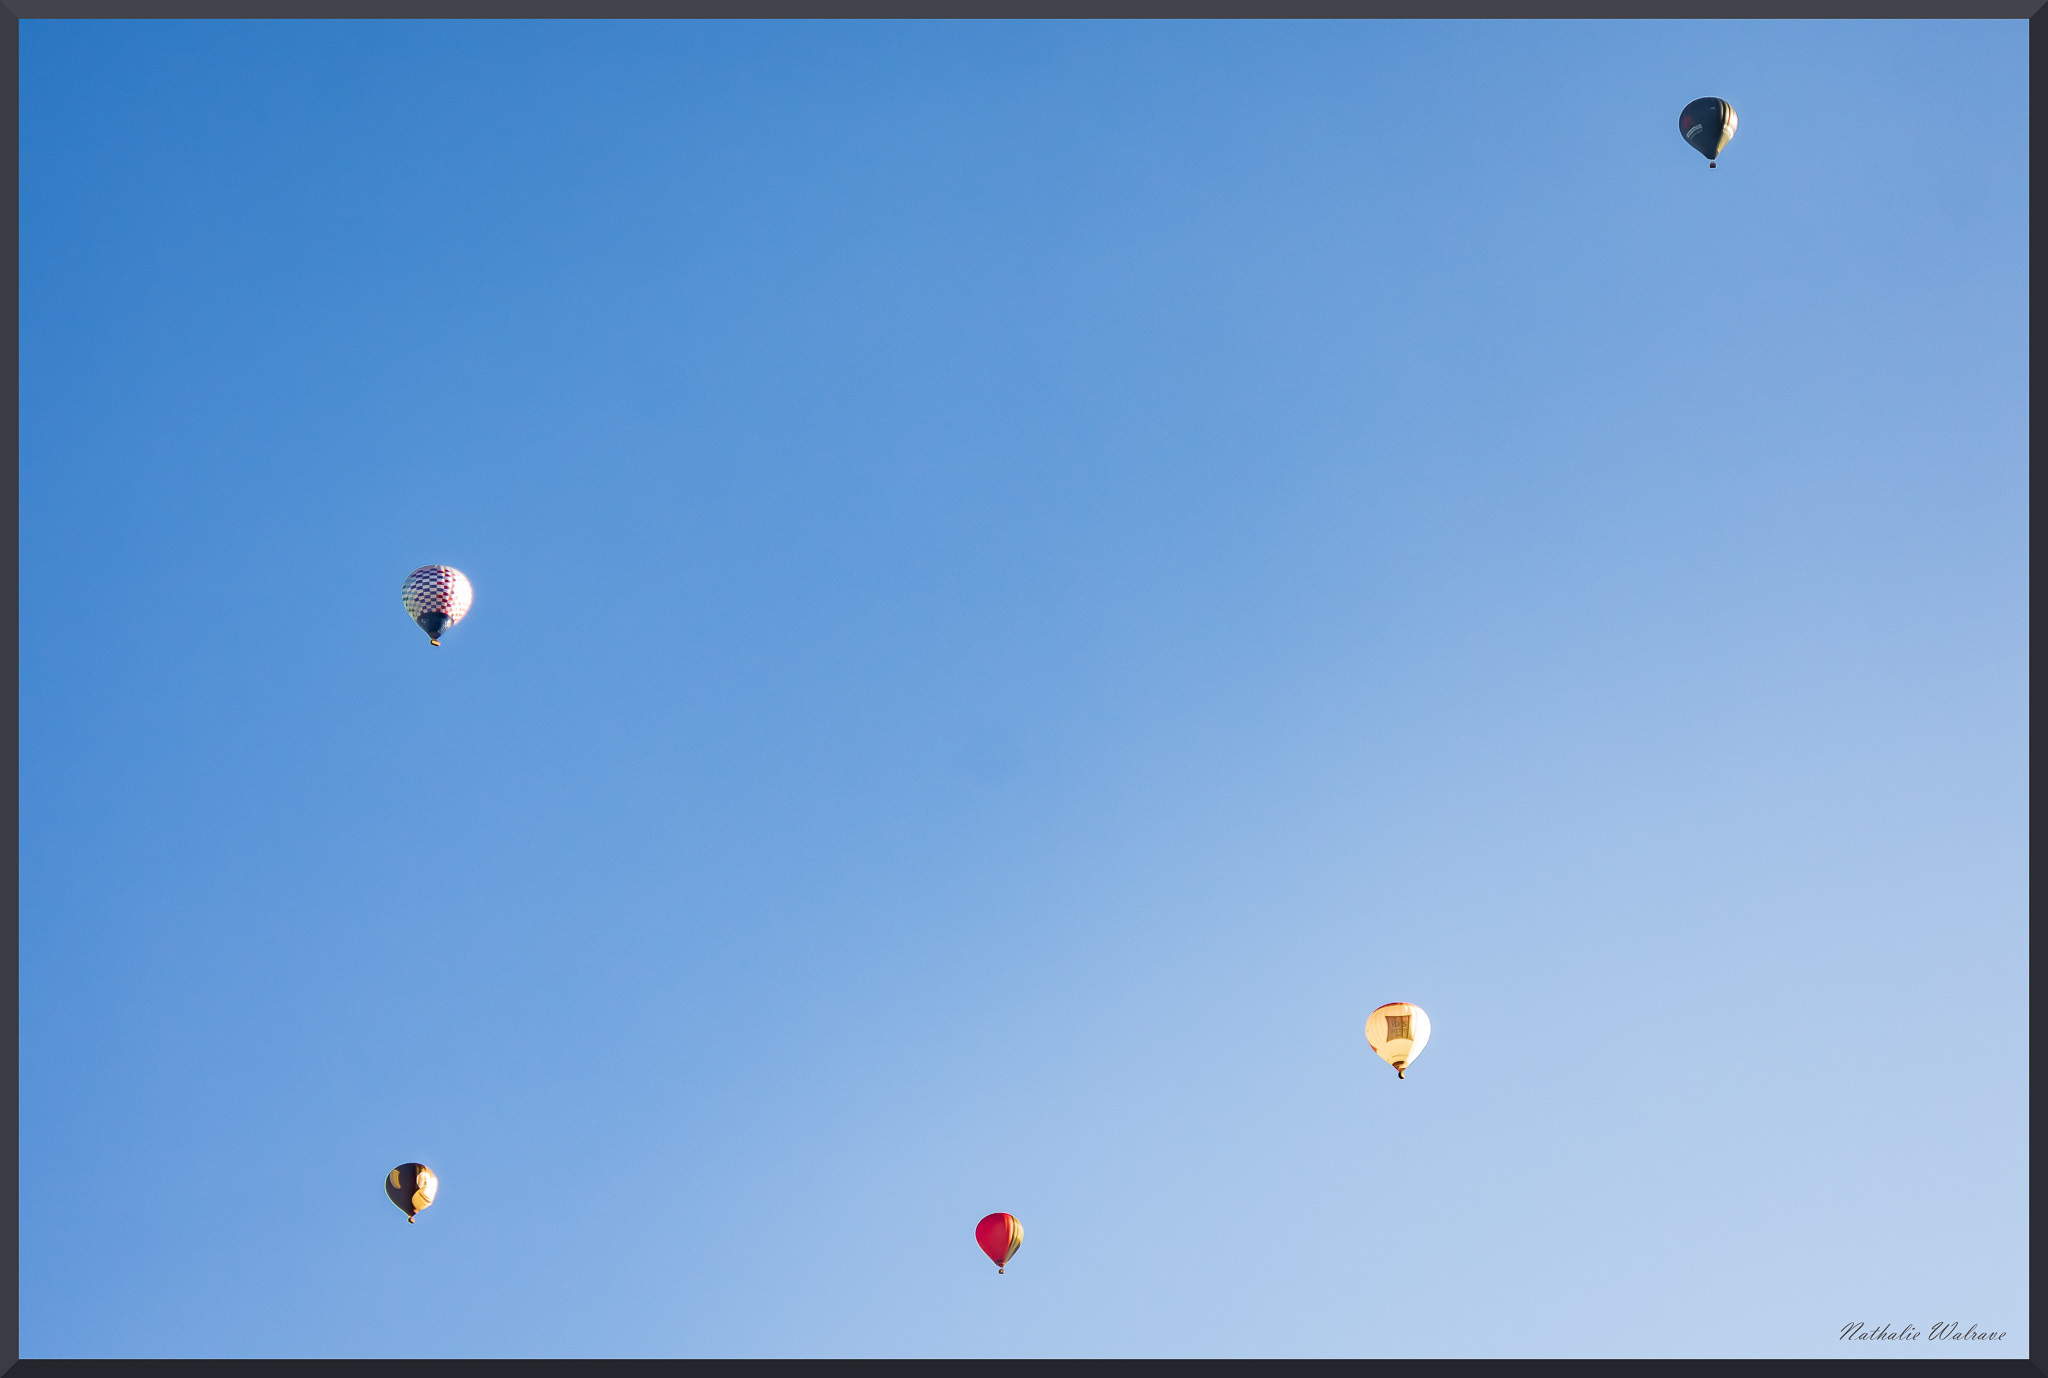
pixel 1028 575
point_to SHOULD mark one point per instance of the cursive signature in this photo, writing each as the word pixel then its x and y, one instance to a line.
pixel 1941 1330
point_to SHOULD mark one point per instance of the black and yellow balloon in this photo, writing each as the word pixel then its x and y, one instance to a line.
pixel 411 1187
pixel 1707 124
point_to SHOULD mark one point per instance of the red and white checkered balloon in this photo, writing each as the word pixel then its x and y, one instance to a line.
pixel 436 597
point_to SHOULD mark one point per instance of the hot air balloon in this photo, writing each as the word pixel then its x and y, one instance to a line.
pixel 436 597
pixel 1707 124
pixel 1000 1236
pixel 1397 1033
pixel 411 1187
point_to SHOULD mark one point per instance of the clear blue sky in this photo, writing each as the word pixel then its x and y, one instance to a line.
pixel 1027 576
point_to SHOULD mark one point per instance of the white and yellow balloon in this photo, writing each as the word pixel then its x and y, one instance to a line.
pixel 1397 1033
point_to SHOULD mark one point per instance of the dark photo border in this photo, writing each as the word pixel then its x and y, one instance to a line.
pixel 13 11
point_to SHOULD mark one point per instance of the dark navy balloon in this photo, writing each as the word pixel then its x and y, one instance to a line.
pixel 1707 124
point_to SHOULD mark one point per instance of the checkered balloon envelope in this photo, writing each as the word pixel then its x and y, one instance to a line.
pixel 436 597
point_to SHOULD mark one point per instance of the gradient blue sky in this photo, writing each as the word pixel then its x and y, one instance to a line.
pixel 1028 575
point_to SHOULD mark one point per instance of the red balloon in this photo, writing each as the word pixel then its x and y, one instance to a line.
pixel 1000 1236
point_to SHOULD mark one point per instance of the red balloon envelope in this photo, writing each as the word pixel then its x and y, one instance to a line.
pixel 1000 1236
